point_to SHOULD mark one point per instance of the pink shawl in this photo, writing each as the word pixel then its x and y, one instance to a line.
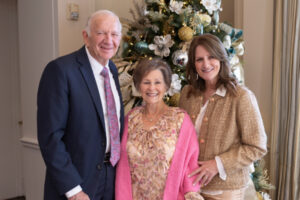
pixel 184 161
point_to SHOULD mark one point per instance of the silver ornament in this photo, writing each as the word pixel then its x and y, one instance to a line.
pixel 141 46
pixel 180 58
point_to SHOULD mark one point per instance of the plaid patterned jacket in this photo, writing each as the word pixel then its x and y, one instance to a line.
pixel 232 128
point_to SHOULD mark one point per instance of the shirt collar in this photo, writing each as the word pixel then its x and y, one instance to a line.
pixel 221 91
pixel 96 66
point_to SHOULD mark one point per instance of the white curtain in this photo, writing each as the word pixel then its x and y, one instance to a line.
pixel 285 136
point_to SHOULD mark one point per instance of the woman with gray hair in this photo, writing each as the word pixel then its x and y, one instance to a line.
pixel 159 146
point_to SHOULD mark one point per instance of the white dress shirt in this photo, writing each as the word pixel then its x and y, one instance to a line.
pixel 97 68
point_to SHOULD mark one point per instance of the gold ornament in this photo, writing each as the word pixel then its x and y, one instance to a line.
pixel 126 38
pixel 185 33
pixel 174 100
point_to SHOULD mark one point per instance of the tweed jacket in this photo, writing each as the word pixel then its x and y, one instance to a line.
pixel 232 128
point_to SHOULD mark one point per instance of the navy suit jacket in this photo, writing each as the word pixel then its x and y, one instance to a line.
pixel 71 129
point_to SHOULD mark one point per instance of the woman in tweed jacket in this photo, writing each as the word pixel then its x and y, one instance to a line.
pixel 227 120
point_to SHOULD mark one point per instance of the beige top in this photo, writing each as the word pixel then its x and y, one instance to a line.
pixel 150 153
pixel 232 129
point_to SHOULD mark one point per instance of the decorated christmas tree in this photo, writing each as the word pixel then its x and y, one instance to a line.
pixel 165 28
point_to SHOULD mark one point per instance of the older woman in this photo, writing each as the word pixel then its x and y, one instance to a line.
pixel 227 120
pixel 159 145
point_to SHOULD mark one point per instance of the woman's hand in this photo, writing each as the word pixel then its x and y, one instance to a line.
pixel 206 171
pixel 80 196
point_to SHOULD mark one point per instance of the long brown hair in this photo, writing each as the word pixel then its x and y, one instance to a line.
pixel 216 49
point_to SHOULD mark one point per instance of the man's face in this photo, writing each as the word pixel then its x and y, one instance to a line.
pixel 104 39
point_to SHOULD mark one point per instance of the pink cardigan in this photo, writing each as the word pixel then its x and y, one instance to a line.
pixel 184 161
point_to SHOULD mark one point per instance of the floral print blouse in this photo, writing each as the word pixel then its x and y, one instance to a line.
pixel 150 152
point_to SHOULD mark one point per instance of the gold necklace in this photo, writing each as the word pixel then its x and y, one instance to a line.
pixel 156 115
pixel 148 119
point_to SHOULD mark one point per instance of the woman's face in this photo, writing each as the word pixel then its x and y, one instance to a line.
pixel 206 65
pixel 153 87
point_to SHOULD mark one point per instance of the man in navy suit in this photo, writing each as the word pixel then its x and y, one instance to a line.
pixel 72 117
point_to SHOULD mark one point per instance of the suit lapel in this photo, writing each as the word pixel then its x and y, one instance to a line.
pixel 89 78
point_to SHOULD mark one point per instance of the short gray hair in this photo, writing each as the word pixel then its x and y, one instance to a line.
pixel 147 65
pixel 98 13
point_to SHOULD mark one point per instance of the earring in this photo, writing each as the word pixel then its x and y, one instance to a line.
pixel 165 95
pixel 197 77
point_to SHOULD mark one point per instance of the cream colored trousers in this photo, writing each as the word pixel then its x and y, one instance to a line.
pixel 226 195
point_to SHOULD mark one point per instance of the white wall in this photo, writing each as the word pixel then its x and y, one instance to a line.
pixel 44 34
pixel 70 32
pixel 121 8
pixel 10 146
pixel 258 36
pixel 37 46
pixel 227 13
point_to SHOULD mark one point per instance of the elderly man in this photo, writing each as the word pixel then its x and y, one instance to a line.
pixel 80 115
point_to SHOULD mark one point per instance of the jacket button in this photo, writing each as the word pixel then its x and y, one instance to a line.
pixel 193 116
pixel 212 99
pixel 99 167
pixel 202 141
pixel 205 119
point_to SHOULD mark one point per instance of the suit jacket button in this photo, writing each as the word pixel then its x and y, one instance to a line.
pixel 99 167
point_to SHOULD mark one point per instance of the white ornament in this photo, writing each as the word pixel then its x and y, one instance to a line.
pixel 175 85
pixel 162 45
pixel 176 6
pixel 227 42
pixel 211 5
pixel 205 19
pixel 234 60
pixel 239 49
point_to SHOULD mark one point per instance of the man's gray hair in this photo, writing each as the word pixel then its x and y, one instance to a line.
pixel 97 13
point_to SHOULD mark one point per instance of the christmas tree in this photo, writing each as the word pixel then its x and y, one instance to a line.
pixel 165 28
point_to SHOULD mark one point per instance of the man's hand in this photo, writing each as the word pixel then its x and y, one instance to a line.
pixel 206 171
pixel 79 196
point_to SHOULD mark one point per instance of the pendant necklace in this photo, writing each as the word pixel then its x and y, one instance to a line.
pixel 151 119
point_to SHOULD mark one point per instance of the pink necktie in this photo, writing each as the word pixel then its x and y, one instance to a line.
pixel 113 124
